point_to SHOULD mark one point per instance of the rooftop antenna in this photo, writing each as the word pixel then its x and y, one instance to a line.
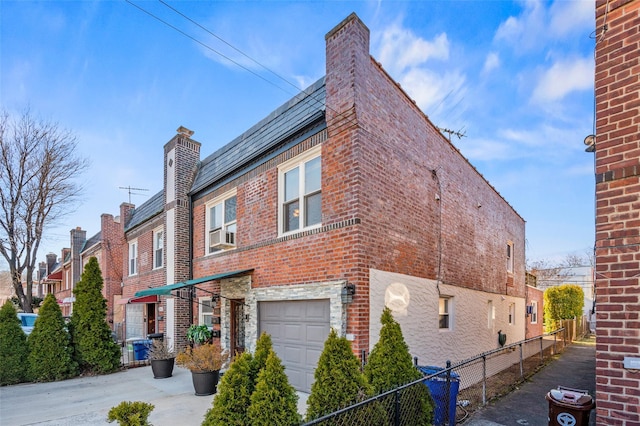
pixel 460 134
pixel 129 189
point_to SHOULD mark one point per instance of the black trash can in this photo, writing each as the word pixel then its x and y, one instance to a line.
pixel 155 336
pixel 444 391
pixel 569 407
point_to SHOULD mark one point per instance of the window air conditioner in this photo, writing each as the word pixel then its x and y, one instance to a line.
pixel 220 239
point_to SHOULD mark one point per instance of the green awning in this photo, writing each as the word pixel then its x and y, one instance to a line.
pixel 167 289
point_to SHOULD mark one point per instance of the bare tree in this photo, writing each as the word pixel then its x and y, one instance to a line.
pixel 38 171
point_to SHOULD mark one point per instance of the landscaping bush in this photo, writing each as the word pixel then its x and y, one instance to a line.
pixel 390 365
pixel 259 361
pixel 131 413
pixel 94 347
pixel 274 402
pixel 338 380
pixel 50 356
pixel 14 350
pixel 562 302
pixel 232 401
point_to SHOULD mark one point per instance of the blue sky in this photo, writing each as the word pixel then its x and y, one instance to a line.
pixel 516 77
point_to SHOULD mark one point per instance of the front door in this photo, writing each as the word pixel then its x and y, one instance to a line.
pixel 237 326
pixel 151 318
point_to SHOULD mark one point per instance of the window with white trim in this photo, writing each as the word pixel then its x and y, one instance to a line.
pixel 221 223
pixel 510 257
pixel 512 314
pixel 534 312
pixel 300 192
pixel 491 314
pixel 133 257
pixel 445 305
pixel 206 312
pixel 158 248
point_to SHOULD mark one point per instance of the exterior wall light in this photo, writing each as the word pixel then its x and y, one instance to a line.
pixel 347 293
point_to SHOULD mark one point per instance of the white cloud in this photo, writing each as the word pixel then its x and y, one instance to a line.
pixel 491 62
pixel 567 16
pixel 563 78
pixel 428 89
pixel 524 31
pixel 401 49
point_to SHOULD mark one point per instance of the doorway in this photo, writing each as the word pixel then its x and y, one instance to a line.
pixel 237 326
pixel 151 318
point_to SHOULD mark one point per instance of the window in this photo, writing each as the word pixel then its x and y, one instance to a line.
pixel 534 312
pixel 510 257
pixel 512 314
pixel 444 311
pixel 221 223
pixel 133 258
pixel 300 192
pixel 491 314
pixel 158 247
pixel 206 312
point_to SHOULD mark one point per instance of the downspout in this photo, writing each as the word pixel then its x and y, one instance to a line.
pixel 190 260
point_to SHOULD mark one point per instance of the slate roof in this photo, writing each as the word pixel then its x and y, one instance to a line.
pixel 92 241
pixel 146 211
pixel 289 119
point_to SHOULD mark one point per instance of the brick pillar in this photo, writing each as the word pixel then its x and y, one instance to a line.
pixel 181 159
pixel 617 151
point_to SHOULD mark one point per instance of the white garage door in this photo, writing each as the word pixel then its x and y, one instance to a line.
pixel 298 330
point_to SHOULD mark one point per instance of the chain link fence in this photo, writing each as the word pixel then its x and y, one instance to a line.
pixel 457 390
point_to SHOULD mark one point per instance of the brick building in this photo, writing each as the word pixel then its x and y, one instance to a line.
pixel 617 152
pixel 343 200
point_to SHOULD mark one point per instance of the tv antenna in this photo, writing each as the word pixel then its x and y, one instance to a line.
pixel 460 134
pixel 130 189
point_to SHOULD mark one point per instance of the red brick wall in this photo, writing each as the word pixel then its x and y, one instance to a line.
pixel 535 295
pixel 617 86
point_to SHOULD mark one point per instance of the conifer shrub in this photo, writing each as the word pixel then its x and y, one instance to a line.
pixel 233 397
pixel 263 347
pixel 14 350
pixel 50 356
pixel 390 365
pixel 338 381
pixel 129 413
pixel 94 347
pixel 274 401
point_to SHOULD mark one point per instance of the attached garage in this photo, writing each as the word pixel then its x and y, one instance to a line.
pixel 298 330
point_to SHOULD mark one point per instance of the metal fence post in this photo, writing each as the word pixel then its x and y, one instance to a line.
pixel 541 348
pixel 521 363
pixel 555 349
pixel 447 398
pixel 484 380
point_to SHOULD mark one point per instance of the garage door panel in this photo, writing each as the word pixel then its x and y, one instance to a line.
pixel 298 330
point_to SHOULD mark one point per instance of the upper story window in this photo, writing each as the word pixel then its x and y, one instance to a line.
pixel 206 312
pixel 158 248
pixel 512 314
pixel 221 223
pixel 534 312
pixel 444 312
pixel 133 257
pixel 300 192
pixel 510 257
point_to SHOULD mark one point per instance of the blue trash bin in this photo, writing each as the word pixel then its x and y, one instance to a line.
pixel 141 349
pixel 438 387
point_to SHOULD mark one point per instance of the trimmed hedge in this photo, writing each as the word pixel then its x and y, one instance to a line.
pixel 50 356
pixel 14 350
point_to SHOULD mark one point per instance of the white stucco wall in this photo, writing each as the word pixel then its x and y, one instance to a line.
pixel 414 302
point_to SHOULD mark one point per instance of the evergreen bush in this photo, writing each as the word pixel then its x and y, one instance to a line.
pixel 14 350
pixel 50 355
pixel 562 302
pixel 232 400
pixel 390 365
pixel 338 380
pixel 263 347
pixel 94 347
pixel 274 402
pixel 131 413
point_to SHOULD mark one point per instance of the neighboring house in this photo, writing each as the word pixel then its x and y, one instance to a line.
pixel 534 309
pixel 617 236
pixel 107 247
pixel 343 200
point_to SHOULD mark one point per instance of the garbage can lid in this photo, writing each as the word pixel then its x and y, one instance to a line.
pixel 429 370
pixel 571 396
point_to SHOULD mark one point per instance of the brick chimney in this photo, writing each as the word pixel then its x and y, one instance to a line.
pixel 78 238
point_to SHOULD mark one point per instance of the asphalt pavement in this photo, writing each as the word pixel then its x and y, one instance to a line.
pixel 527 405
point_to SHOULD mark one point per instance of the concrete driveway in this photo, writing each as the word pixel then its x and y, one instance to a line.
pixel 87 400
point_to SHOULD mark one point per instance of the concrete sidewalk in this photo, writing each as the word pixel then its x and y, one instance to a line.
pixel 527 406
pixel 87 400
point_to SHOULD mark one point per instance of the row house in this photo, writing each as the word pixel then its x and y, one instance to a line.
pixel 342 201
